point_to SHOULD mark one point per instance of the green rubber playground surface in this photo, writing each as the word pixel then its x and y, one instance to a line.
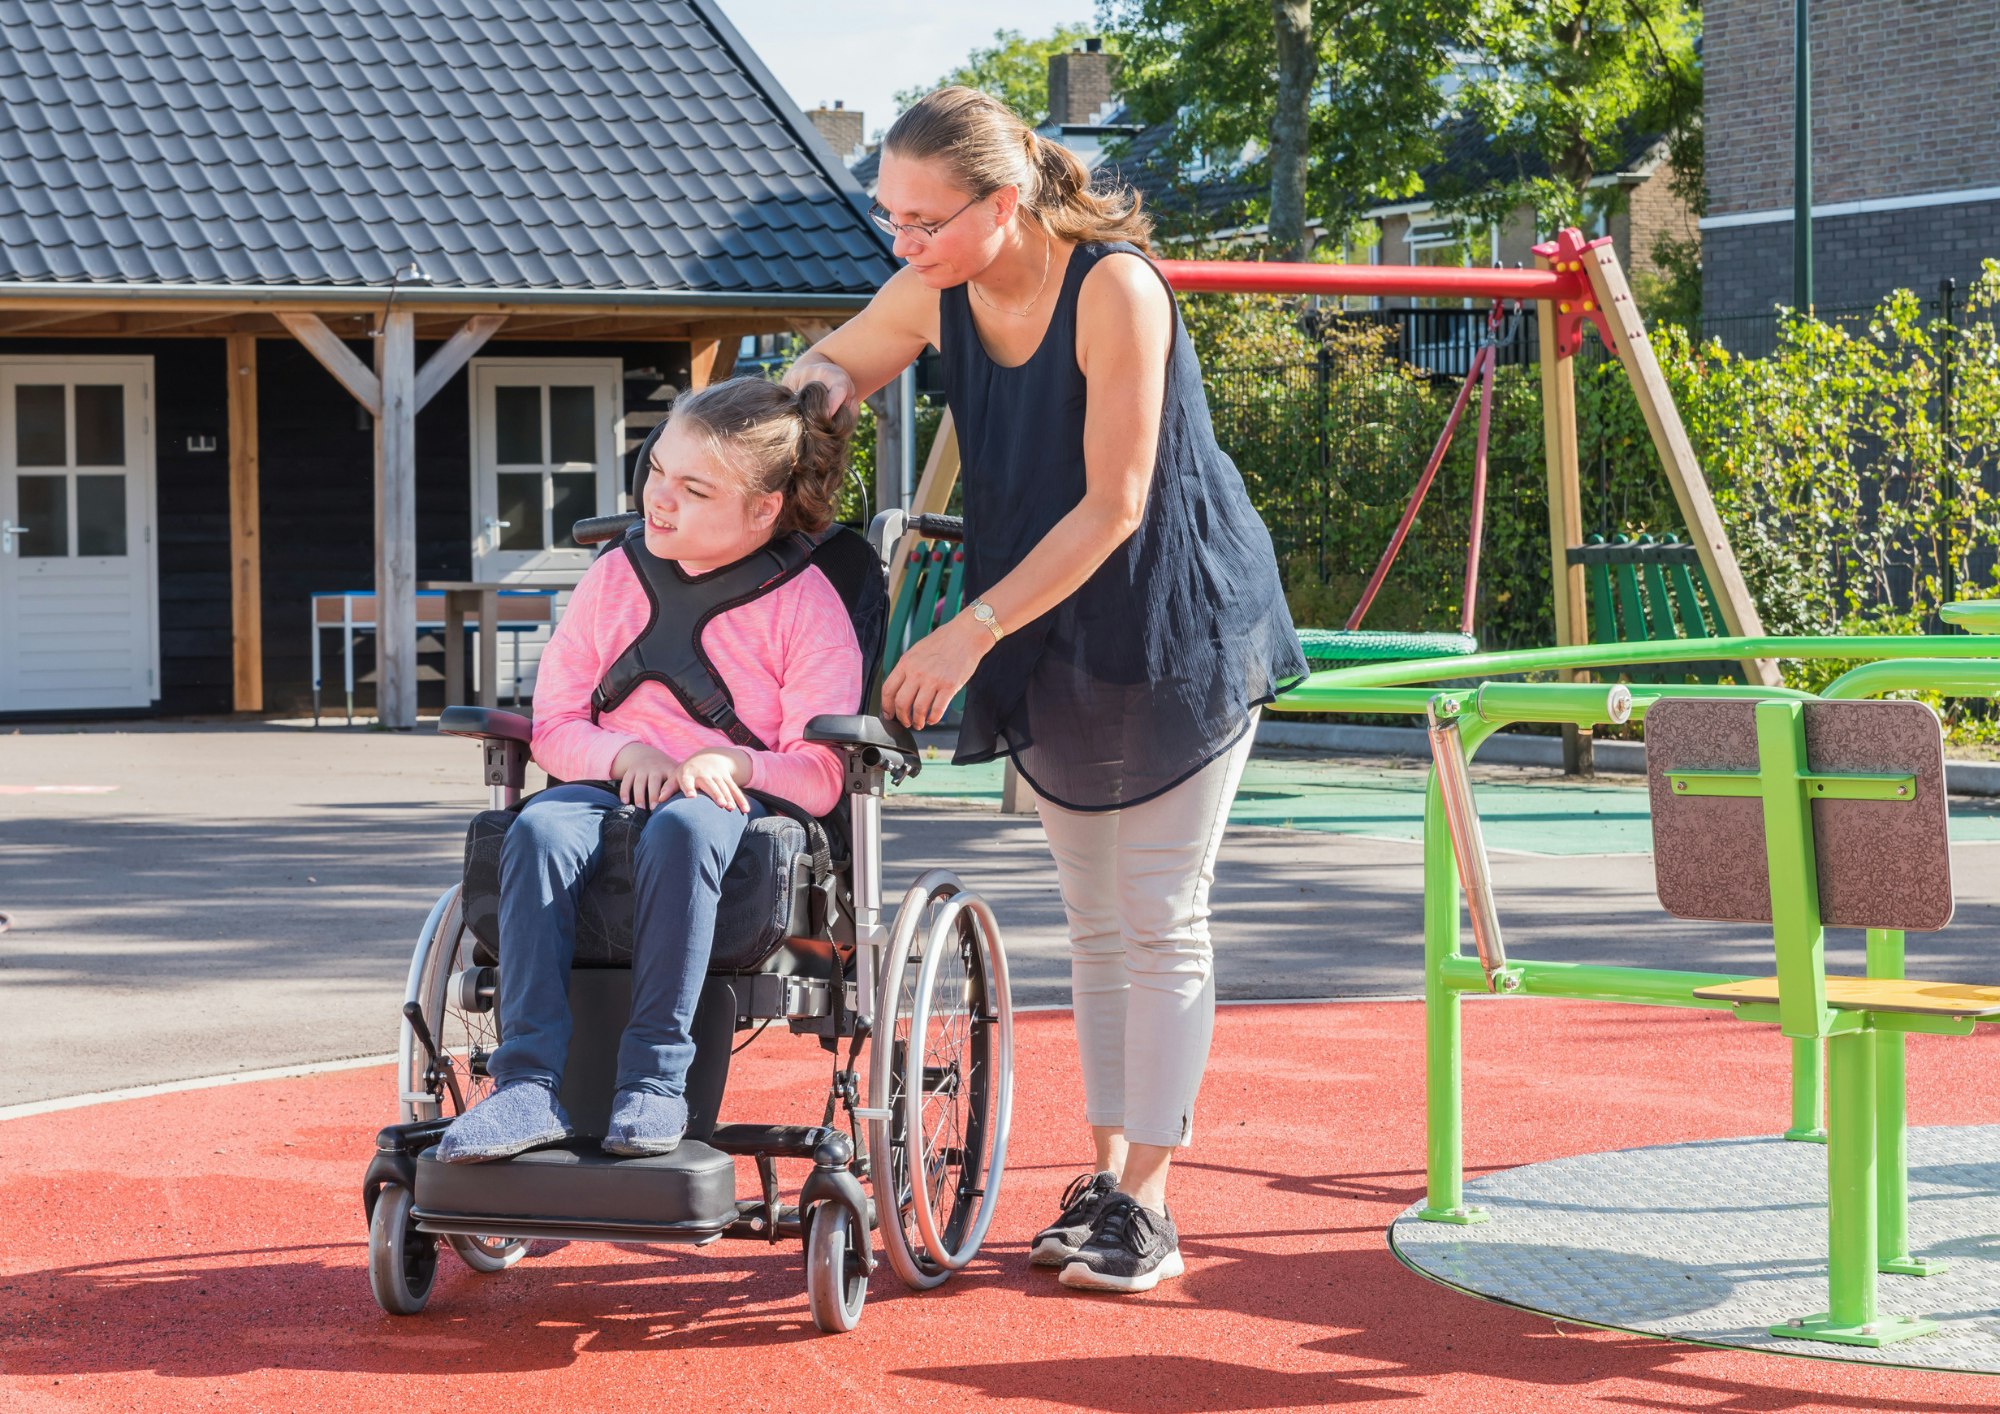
pixel 1530 812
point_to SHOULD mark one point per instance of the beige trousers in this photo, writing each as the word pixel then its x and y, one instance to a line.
pixel 1135 885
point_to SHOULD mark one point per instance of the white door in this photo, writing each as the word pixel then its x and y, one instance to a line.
pixel 79 627
pixel 547 437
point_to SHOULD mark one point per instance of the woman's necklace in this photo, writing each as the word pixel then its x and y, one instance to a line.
pixel 1048 249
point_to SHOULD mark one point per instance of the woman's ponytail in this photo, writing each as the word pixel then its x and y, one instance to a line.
pixel 984 146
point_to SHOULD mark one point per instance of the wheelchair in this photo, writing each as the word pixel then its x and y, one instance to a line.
pixel 913 1007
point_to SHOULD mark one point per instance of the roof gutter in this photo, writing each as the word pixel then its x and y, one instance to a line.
pixel 719 301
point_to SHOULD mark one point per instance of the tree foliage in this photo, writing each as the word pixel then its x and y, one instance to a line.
pixel 1013 68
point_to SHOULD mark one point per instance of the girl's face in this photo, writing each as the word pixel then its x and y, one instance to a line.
pixel 971 236
pixel 696 512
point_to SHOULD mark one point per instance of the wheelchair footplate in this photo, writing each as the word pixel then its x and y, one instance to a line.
pixel 577 1190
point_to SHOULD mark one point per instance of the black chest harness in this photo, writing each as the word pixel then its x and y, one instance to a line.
pixel 668 650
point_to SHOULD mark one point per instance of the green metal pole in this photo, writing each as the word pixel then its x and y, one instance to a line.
pixel 1892 1146
pixel 1444 1200
pixel 1808 1108
pixel 1850 1182
pixel 1802 184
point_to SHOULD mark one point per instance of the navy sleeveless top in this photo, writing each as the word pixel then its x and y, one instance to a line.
pixel 1150 670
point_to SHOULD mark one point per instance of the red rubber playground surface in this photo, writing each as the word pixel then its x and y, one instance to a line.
pixel 205 1249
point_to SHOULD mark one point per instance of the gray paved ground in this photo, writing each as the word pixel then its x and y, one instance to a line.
pixel 247 896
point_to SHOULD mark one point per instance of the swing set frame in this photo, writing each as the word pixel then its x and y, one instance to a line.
pixel 1574 281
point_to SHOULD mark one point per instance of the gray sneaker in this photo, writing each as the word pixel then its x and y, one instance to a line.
pixel 1131 1249
pixel 1081 1202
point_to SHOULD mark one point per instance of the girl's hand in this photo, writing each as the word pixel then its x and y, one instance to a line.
pixel 920 690
pixel 816 368
pixel 719 773
pixel 645 774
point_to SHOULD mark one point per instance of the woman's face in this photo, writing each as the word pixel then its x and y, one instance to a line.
pixel 696 512
pixel 971 237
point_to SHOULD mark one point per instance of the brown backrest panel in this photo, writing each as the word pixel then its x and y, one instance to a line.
pixel 1882 864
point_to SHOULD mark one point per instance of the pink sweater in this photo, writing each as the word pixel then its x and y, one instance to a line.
pixel 786 657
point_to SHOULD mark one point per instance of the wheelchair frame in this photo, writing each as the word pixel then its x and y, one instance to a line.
pixel 930 1227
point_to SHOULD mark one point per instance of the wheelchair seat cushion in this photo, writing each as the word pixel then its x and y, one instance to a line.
pixel 578 1182
pixel 761 892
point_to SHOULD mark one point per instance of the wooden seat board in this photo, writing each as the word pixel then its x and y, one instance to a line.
pixel 1898 994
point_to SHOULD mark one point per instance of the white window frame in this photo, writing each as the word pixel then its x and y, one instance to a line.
pixel 550 564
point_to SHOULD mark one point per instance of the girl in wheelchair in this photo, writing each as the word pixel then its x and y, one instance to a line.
pixel 740 466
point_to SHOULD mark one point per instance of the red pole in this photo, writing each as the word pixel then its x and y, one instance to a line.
pixel 1274 277
pixel 1416 499
pixel 1492 355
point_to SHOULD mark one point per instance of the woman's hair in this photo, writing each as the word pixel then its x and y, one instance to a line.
pixel 985 146
pixel 778 440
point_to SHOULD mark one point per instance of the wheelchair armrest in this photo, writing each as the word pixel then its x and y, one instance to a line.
pixel 864 733
pixel 484 724
pixel 504 737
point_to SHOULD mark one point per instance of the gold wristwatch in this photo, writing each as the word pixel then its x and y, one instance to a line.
pixel 983 612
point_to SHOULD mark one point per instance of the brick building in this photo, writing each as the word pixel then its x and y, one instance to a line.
pixel 1906 148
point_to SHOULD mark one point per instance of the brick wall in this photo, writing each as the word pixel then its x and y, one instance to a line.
pixel 842 129
pixel 1856 259
pixel 1651 211
pixel 1906 99
pixel 1080 83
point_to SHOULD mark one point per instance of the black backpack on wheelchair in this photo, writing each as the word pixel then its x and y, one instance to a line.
pixel 801 938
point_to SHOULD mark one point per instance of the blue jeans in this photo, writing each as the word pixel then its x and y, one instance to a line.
pixel 548 856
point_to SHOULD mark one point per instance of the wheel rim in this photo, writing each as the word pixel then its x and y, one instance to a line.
pixel 956 1093
pixel 902 1243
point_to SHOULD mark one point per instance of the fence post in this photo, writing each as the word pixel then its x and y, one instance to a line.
pixel 1323 371
pixel 1948 501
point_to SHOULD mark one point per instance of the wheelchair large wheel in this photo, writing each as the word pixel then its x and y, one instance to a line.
pixel 455 997
pixel 836 1279
pixel 402 1262
pixel 943 1071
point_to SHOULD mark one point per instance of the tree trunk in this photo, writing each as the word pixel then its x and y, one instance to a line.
pixel 1292 21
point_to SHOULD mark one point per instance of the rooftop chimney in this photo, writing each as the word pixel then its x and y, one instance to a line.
pixel 1082 84
pixel 842 128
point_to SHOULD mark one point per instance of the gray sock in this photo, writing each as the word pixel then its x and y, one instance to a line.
pixel 643 1123
pixel 515 1118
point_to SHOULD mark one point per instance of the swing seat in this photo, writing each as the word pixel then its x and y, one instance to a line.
pixel 1327 648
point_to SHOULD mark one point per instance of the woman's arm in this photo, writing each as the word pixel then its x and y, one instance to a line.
pixel 1125 329
pixel 875 345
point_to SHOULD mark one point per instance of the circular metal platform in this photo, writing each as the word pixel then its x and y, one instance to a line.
pixel 1717 1241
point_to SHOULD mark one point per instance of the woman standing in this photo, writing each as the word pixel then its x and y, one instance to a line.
pixel 1126 622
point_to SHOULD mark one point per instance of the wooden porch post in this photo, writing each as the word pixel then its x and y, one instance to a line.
pixel 711 361
pixel 396 523
pixel 246 580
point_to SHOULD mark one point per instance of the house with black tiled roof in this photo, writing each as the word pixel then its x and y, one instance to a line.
pixel 308 297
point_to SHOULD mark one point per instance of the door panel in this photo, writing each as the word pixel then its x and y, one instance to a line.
pixel 78 618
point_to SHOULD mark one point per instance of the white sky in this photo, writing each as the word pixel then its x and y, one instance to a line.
pixel 862 53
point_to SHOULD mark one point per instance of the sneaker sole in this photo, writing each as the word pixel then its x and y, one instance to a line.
pixel 1051 1252
pixel 1085 1278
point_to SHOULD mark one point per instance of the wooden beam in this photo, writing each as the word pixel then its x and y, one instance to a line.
pixel 711 361
pixel 396 523
pixel 813 330
pixel 1559 449
pixel 41 319
pixel 440 366
pixel 161 323
pixel 1670 439
pixel 246 577
pixel 338 359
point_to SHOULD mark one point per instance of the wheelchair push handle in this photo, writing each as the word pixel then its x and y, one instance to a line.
pixel 951 528
pixel 595 530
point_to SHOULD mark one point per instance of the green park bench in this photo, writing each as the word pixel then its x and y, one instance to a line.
pixel 1642 590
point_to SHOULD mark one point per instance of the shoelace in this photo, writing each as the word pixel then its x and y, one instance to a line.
pixel 1114 1225
pixel 1076 1194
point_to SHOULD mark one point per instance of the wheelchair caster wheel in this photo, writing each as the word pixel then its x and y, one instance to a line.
pixel 489 1254
pixel 836 1280
pixel 402 1262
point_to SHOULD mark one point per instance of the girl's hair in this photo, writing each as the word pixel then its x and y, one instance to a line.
pixel 985 146
pixel 778 440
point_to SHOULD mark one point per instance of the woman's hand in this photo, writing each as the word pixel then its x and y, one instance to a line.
pixel 646 774
pixel 817 368
pixel 920 690
pixel 720 773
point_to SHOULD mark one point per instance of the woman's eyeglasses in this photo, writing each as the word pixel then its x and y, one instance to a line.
pixel 926 230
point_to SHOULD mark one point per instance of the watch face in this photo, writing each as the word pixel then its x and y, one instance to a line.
pixel 983 612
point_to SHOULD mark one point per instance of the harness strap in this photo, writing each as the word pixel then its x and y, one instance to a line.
pixel 668 649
